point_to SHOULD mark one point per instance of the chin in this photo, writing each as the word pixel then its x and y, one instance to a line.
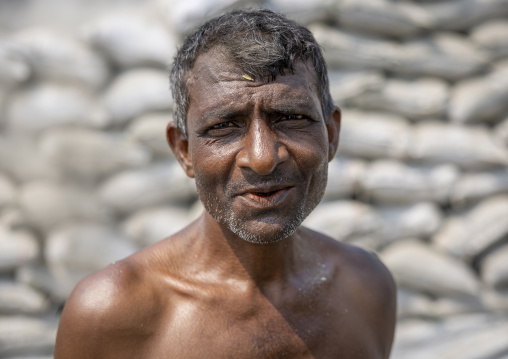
pixel 263 231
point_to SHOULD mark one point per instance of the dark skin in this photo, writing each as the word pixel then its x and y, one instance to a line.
pixel 258 150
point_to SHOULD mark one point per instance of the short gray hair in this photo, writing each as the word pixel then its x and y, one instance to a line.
pixel 263 43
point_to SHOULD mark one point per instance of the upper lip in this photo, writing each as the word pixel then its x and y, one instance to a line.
pixel 264 189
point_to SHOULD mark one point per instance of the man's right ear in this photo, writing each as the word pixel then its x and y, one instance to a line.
pixel 180 146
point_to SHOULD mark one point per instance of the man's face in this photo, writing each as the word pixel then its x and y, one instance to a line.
pixel 259 150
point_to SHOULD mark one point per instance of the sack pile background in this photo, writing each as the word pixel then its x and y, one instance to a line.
pixel 421 177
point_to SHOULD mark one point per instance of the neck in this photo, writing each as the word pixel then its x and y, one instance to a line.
pixel 263 264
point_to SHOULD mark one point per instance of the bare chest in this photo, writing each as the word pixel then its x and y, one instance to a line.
pixel 266 332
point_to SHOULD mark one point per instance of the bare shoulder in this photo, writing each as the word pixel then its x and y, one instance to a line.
pixel 353 264
pixel 104 307
pixel 364 282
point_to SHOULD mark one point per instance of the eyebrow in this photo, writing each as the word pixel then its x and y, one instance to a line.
pixel 224 113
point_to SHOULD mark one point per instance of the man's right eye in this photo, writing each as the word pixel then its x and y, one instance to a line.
pixel 222 125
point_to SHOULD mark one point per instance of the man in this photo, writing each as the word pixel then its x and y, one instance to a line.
pixel 256 128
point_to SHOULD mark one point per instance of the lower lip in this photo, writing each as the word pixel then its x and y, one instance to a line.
pixel 273 200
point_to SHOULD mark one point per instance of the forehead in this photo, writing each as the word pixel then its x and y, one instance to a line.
pixel 215 76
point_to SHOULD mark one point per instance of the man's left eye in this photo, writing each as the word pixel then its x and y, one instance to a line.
pixel 292 117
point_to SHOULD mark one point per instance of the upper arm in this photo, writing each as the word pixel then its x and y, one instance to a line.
pixel 378 296
pixel 96 321
pixel 79 332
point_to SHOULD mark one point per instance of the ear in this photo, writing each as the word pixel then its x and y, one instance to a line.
pixel 180 147
pixel 333 128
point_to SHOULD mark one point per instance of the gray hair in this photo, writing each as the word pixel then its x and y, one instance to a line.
pixel 263 43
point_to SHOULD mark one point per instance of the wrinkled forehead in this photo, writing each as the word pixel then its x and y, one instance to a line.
pixel 217 65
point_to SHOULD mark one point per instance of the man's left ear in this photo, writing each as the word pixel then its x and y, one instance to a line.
pixel 333 128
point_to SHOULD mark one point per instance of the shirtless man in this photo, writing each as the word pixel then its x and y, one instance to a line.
pixel 256 127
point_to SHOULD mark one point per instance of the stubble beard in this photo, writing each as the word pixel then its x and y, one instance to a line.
pixel 224 214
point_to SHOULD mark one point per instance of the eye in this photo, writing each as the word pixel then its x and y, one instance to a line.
pixel 222 125
pixel 292 117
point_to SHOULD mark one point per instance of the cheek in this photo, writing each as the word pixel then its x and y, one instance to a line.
pixel 311 151
pixel 211 161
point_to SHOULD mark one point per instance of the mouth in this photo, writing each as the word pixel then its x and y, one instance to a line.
pixel 266 197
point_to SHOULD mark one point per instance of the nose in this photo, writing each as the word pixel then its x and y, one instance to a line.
pixel 261 151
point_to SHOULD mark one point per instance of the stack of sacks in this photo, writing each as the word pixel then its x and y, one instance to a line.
pixel 86 176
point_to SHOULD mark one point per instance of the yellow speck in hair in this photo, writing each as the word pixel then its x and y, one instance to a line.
pixel 247 77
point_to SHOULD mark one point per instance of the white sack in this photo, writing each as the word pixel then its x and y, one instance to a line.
pixel 494 268
pixel 393 182
pixel 23 335
pixel 477 186
pixel 345 50
pixel 19 158
pixel 492 37
pixel 91 155
pixel 347 84
pixel 462 338
pixel 480 99
pixel 48 204
pixel 344 220
pixel 373 135
pixel 446 55
pixel 16 248
pixel 425 97
pixel 501 132
pixel 150 131
pixel 148 226
pixel 185 16
pixel 471 147
pixel 159 184
pixel 13 70
pixel 8 192
pixel 58 56
pixel 420 220
pixel 18 298
pixel 382 17
pixel 343 178
pixel 132 39
pixel 472 233
pixel 75 250
pixel 136 92
pixel 304 11
pixel 462 14
pixel 420 267
pixel 46 105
